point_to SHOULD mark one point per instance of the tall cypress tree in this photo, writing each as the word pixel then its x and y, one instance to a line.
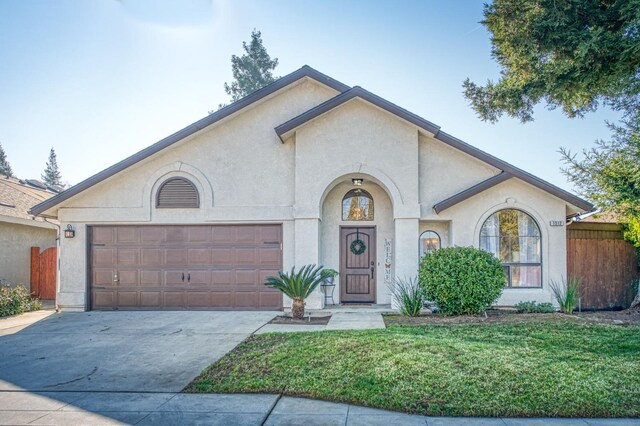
pixel 52 174
pixel 5 167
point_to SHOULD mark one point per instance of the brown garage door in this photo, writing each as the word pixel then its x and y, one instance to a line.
pixel 184 267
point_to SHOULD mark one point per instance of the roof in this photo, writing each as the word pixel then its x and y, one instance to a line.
pixel 17 197
pixel 305 71
pixel 288 127
pixel 346 94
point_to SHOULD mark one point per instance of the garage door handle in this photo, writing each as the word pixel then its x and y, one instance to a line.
pixel 183 277
pixel 189 277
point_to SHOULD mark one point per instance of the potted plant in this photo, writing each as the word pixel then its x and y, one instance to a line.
pixel 329 275
pixel 297 285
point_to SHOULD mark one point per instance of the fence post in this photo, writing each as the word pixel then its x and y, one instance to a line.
pixel 35 271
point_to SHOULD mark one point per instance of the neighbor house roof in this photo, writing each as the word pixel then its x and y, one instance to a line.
pixel 346 94
pixel 17 197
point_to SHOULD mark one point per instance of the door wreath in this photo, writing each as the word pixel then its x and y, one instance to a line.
pixel 358 247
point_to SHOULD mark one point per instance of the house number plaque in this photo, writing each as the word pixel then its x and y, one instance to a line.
pixel 556 222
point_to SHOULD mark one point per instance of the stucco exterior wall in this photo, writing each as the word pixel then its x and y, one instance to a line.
pixel 244 173
pixel 15 250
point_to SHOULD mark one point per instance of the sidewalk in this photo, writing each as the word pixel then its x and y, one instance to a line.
pixel 108 408
pixel 362 320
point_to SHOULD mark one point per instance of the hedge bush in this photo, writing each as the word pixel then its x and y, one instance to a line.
pixel 16 300
pixel 461 280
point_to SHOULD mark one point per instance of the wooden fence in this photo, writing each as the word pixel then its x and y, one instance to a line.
pixel 43 272
pixel 605 263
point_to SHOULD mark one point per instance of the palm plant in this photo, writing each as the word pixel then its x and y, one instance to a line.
pixel 298 285
pixel 566 293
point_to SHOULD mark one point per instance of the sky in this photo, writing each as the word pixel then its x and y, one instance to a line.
pixel 100 80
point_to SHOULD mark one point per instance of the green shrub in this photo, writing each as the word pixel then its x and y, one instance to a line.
pixel 16 300
pixel 535 307
pixel 566 293
pixel 408 296
pixel 461 280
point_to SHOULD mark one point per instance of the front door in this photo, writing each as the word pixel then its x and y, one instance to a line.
pixel 357 264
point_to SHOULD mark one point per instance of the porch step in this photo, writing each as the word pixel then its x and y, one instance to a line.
pixel 355 321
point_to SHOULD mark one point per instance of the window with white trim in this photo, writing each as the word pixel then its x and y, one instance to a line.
pixel 514 237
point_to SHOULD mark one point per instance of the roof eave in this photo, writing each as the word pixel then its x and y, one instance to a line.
pixel 305 71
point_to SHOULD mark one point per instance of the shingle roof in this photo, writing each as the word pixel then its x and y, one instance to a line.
pixel 17 198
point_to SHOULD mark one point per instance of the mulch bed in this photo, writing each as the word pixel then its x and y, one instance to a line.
pixel 507 316
pixel 306 321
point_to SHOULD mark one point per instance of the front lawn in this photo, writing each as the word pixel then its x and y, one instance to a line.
pixel 535 368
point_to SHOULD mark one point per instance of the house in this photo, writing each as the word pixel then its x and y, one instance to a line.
pixel 305 170
pixel 20 230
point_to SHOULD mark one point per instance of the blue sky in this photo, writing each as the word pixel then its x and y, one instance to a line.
pixel 99 80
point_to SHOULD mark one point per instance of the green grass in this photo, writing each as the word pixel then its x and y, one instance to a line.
pixel 540 368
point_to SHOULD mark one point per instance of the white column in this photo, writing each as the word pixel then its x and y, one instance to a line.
pixel 307 234
pixel 406 249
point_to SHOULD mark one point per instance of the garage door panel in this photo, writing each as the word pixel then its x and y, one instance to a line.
pixel 103 277
pixel 199 256
pixel 246 299
pixel 246 277
pixel 268 299
pixel 221 299
pixel 152 234
pixel 149 277
pixel 103 235
pixel 128 256
pixel 199 234
pixel 103 256
pixel 185 267
pixel 151 257
pixel 150 299
pixel 269 256
pixel 127 299
pixel 269 234
pixel 103 299
pixel 127 277
pixel 246 256
pixel 126 235
pixel 174 277
pixel 175 256
pixel 222 257
pixel 174 298
pixel 199 278
pixel 222 277
pixel 246 235
pixel 198 299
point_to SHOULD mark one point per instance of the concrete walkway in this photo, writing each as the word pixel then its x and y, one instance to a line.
pixel 339 321
pixel 107 408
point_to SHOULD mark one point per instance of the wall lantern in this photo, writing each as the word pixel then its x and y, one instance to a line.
pixel 69 232
pixel 356 182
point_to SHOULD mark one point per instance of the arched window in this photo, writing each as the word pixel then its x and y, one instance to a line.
pixel 177 192
pixel 357 204
pixel 514 237
pixel 429 241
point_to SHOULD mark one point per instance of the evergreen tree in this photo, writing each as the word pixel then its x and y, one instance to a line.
pixel 575 55
pixel 52 174
pixel 251 71
pixel 5 167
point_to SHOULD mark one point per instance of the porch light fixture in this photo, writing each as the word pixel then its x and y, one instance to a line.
pixel 69 232
pixel 356 182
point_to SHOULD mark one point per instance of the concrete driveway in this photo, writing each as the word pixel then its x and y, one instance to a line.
pixel 120 351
